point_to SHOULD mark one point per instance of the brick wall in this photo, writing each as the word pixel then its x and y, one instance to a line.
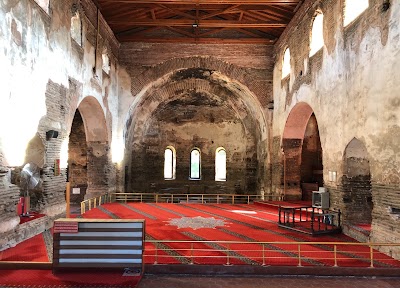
pixel 77 158
pixel 60 75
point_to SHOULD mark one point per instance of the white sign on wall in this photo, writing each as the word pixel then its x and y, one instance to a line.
pixel 76 190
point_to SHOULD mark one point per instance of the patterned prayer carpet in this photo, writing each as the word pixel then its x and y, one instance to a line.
pixel 192 222
pixel 79 279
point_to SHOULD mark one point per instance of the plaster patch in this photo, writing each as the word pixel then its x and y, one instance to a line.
pixel 196 222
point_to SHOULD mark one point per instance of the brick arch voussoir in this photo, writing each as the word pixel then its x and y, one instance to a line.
pixel 96 127
pixel 158 71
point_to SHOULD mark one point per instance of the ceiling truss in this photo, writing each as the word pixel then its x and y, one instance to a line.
pixel 202 21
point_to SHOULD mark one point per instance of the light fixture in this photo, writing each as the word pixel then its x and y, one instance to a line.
pixel 51 134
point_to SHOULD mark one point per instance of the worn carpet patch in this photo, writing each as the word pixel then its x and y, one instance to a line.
pixel 196 222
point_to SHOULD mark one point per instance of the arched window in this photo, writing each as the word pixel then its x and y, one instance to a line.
pixel 195 163
pixel 286 63
pixel 76 26
pixel 44 4
pixel 317 34
pixel 169 163
pixel 106 62
pixel 220 164
pixel 353 9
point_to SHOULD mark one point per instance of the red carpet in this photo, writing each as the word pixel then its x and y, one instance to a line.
pixel 33 250
pixel 242 223
pixel 32 216
pixel 45 278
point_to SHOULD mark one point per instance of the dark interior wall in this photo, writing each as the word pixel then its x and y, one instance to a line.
pixel 311 159
pixel 291 176
pixel 356 183
pixel 77 157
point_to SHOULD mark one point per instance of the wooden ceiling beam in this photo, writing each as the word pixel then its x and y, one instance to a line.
pixel 135 31
pixel 207 2
pixel 177 12
pixel 263 16
pixel 198 40
pixel 182 32
pixel 210 15
pixel 201 23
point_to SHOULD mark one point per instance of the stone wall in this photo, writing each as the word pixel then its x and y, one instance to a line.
pixel 351 85
pixel 45 75
pixel 78 158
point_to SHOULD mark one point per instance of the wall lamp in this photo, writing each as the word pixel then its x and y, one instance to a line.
pixel 51 134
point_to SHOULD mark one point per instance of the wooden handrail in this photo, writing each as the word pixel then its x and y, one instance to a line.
pixel 97 201
pixel 176 197
pixel 259 252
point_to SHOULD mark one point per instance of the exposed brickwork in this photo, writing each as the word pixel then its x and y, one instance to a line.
pixel 249 64
pixel 385 224
pixel 335 81
pixel 100 169
pixel 9 196
pixel 77 158
pixel 59 67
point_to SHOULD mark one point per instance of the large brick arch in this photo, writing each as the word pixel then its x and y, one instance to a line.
pixel 236 97
pixel 163 88
pixel 297 120
pixel 302 153
pixel 97 145
pixel 94 119
pixel 253 79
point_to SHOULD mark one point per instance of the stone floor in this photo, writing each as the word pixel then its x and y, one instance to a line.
pixel 182 281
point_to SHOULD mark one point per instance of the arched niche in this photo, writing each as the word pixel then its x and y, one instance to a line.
pixel 303 169
pixel 356 181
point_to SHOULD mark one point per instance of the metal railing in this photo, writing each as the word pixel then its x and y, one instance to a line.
pixel 88 204
pixel 125 197
pixel 331 254
pixel 186 198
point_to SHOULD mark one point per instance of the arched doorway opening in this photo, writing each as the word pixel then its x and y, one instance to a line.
pixel 356 181
pixel 303 169
pixel 89 161
pixel 77 159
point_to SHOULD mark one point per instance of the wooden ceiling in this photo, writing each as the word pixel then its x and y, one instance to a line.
pixel 202 21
